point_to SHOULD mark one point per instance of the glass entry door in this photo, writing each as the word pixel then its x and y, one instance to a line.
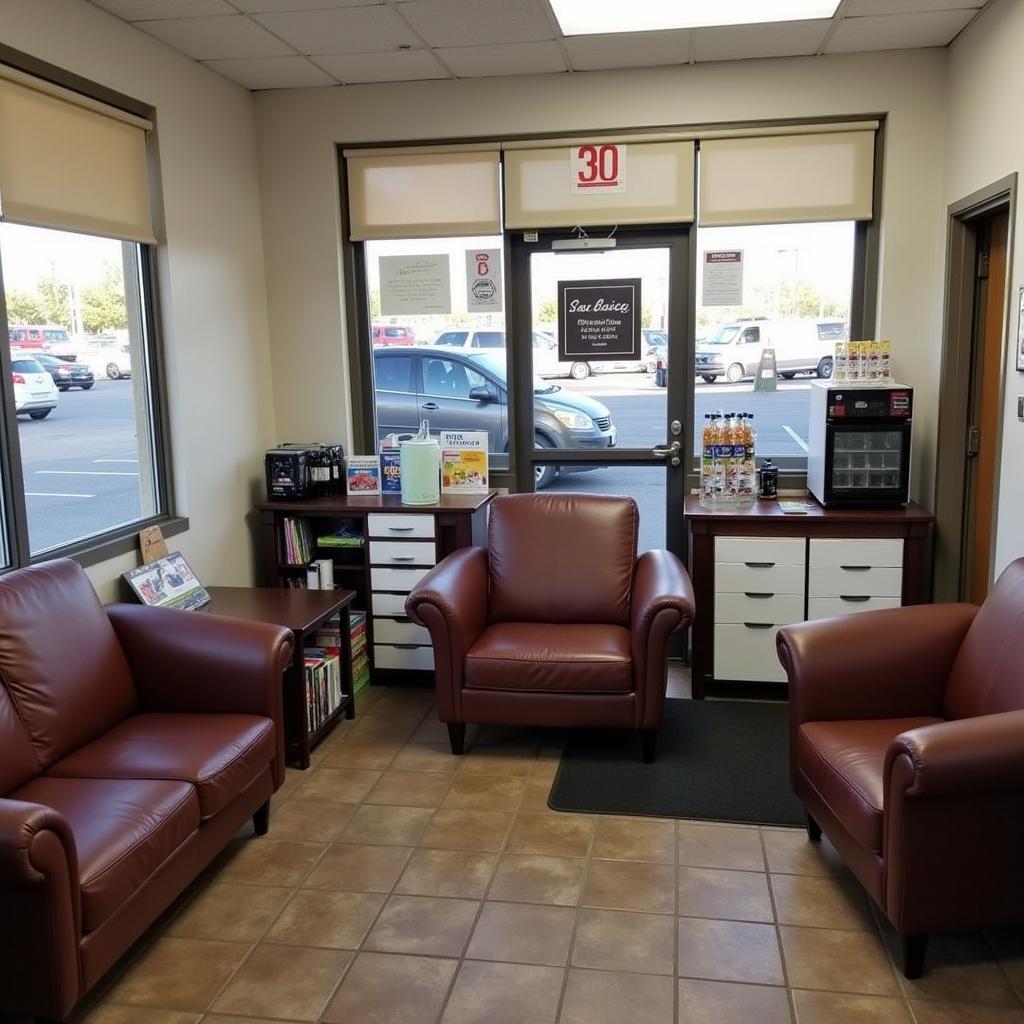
pixel 590 417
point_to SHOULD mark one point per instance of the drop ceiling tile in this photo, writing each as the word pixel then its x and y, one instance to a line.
pixel 514 59
pixel 391 66
pixel 858 8
pixel 897 31
pixel 144 10
pixel 477 22
pixel 271 72
pixel 773 39
pixel 629 49
pixel 222 36
pixel 268 6
pixel 342 30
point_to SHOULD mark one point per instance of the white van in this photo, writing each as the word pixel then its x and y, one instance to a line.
pixel 802 345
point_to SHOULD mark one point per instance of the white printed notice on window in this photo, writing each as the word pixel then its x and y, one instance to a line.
pixel 723 278
pixel 483 280
pixel 597 168
pixel 415 285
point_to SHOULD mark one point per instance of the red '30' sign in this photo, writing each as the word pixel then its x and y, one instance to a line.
pixel 598 167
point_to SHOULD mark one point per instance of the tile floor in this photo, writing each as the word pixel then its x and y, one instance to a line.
pixel 401 885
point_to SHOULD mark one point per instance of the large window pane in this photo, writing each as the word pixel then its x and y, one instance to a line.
pixel 789 290
pixel 81 383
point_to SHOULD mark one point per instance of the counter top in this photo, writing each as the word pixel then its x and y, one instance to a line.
pixel 769 509
pixel 377 503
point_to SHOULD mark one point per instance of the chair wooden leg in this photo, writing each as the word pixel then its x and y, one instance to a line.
pixel 914 949
pixel 813 829
pixel 649 742
pixel 261 820
pixel 457 737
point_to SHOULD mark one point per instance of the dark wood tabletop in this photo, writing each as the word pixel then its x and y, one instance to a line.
pixel 377 503
pixel 769 509
pixel 298 609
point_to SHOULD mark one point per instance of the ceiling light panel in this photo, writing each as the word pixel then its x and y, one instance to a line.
pixel 586 17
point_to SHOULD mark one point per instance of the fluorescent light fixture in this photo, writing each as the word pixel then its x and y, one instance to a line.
pixel 589 17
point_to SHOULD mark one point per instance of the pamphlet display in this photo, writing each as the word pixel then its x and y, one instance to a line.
pixel 391 470
pixel 167 583
pixel 599 319
pixel 464 461
pixel 362 473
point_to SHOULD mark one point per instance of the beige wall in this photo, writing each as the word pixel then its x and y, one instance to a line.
pixel 211 270
pixel 298 130
pixel 983 144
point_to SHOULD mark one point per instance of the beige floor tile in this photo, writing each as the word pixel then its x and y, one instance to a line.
pixel 423 924
pixel 826 958
pixel 334 920
pixel 310 821
pixel 821 902
pixel 523 933
pixel 431 730
pixel 723 1002
pixel 384 988
pixel 506 760
pixel 230 913
pixel 729 951
pixel 535 795
pixel 526 878
pixel 614 940
pixel 285 982
pixel 630 885
pixel 732 895
pixel 179 974
pixel 448 873
pixel 960 968
pixel 963 1013
pixel 483 793
pixel 352 867
pixel 467 830
pixel 720 846
pixel 105 1014
pixel 790 852
pixel 216 1018
pixel 369 753
pixel 266 861
pixel 1008 944
pixel 842 1008
pixel 611 997
pixel 635 839
pixel 410 789
pixel 426 757
pixel 386 826
pixel 341 785
pixel 486 993
pixel 385 726
pixel 553 835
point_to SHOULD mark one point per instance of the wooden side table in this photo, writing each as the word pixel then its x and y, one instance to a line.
pixel 303 612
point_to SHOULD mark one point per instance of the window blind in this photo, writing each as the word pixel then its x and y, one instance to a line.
pixel 71 166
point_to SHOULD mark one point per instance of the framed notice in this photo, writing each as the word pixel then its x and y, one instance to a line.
pixel 722 283
pixel 599 319
pixel 167 583
pixel 415 285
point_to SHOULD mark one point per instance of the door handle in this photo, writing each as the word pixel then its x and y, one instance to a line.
pixel 431 406
pixel 663 451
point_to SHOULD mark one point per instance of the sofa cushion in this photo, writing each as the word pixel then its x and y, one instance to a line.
pixel 544 656
pixel 18 762
pixel 218 754
pixel 59 658
pixel 124 830
pixel 845 762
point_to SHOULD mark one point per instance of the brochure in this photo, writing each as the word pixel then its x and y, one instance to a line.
pixel 464 461
pixel 362 473
pixel 390 471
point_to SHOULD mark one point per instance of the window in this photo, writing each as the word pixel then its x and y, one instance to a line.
pixel 489 339
pixel 447 378
pixel 394 373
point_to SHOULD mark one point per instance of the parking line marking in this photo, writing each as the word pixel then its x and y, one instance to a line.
pixel 83 472
pixel 796 437
pixel 55 494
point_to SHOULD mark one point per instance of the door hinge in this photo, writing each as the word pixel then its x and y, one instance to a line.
pixel 973 440
pixel 983 263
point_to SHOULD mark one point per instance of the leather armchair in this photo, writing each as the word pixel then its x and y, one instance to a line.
pixel 556 622
pixel 907 750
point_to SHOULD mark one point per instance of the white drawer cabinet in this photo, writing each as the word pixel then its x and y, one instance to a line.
pixel 401 580
pixel 404 658
pixel 773 608
pixel 402 552
pixel 746 653
pixel 880 552
pixel 399 631
pixel 854 581
pixel 733 578
pixel 761 551
pixel 399 525
pixel 827 607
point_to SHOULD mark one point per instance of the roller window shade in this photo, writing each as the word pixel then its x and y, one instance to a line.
pixel 787 178
pixel 72 167
pixel 657 188
pixel 439 194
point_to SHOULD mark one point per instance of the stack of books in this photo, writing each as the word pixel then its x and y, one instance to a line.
pixel 323 686
pixel 360 659
pixel 347 535
pixel 298 541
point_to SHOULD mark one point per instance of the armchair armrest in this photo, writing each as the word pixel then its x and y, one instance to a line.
pixel 661 602
pixel 892 663
pixel 451 602
pixel 42 927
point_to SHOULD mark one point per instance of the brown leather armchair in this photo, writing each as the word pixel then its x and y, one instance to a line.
pixel 557 622
pixel 908 752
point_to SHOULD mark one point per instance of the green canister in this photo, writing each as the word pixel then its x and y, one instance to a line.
pixel 420 459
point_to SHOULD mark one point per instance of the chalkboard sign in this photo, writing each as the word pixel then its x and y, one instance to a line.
pixel 599 319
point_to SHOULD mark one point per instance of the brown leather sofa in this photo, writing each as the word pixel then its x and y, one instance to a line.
pixel 557 622
pixel 908 752
pixel 134 743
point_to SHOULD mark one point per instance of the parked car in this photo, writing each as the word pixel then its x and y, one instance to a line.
pixel 466 337
pixel 66 375
pixel 38 336
pixel 34 390
pixel 547 364
pixel 392 334
pixel 801 346
pixel 457 389
pixel 655 349
pixel 113 361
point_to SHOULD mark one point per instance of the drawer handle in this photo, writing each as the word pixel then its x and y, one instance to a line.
pixel 855 568
pixel 406 647
pixel 403 558
pixel 759 565
pixel 855 597
pixel 755 593
pixel 759 625
pixel 401 529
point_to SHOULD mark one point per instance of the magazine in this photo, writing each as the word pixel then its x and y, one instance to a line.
pixel 362 474
pixel 390 470
pixel 464 461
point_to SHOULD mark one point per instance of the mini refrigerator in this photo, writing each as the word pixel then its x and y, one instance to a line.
pixel 859 444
